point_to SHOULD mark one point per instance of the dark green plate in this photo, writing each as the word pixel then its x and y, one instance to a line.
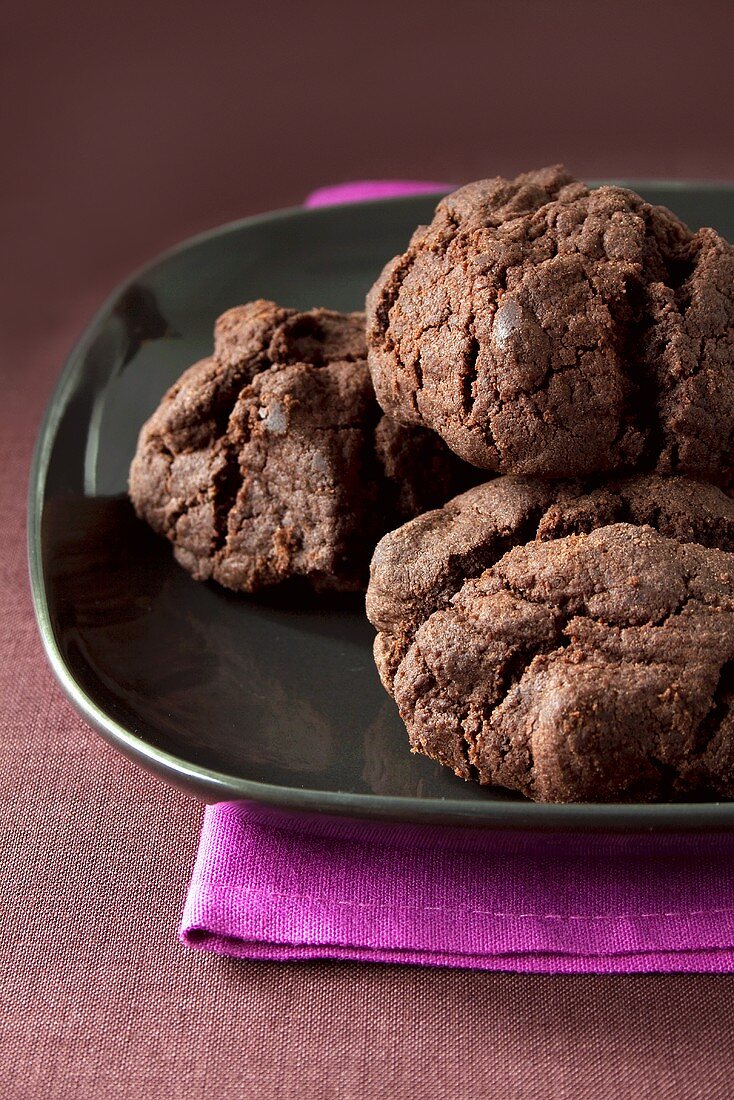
pixel 234 697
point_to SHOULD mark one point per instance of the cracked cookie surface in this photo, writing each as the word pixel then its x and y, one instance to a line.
pixel 543 328
pixel 272 459
pixel 593 665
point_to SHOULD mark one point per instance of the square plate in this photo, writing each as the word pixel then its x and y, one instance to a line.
pixel 225 695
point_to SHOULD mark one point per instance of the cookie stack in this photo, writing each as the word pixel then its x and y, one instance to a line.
pixel 564 627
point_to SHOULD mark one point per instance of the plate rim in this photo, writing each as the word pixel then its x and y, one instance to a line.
pixel 213 785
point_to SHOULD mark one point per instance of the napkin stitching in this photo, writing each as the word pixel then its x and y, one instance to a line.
pixel 473 912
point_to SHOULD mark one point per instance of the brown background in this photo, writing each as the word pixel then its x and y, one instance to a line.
pixel 126 127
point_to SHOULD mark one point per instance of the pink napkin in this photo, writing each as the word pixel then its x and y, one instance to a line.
pixel 268 892
pixel 272 892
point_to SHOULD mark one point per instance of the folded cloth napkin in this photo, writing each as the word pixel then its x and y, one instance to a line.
pixel 271 892
pixel 267 891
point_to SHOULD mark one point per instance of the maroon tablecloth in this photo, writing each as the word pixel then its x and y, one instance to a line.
pixel 124 134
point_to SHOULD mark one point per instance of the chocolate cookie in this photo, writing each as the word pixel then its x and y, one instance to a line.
pixel 542 328
pixel 501 675
pixel 272 460
pixel 419 567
